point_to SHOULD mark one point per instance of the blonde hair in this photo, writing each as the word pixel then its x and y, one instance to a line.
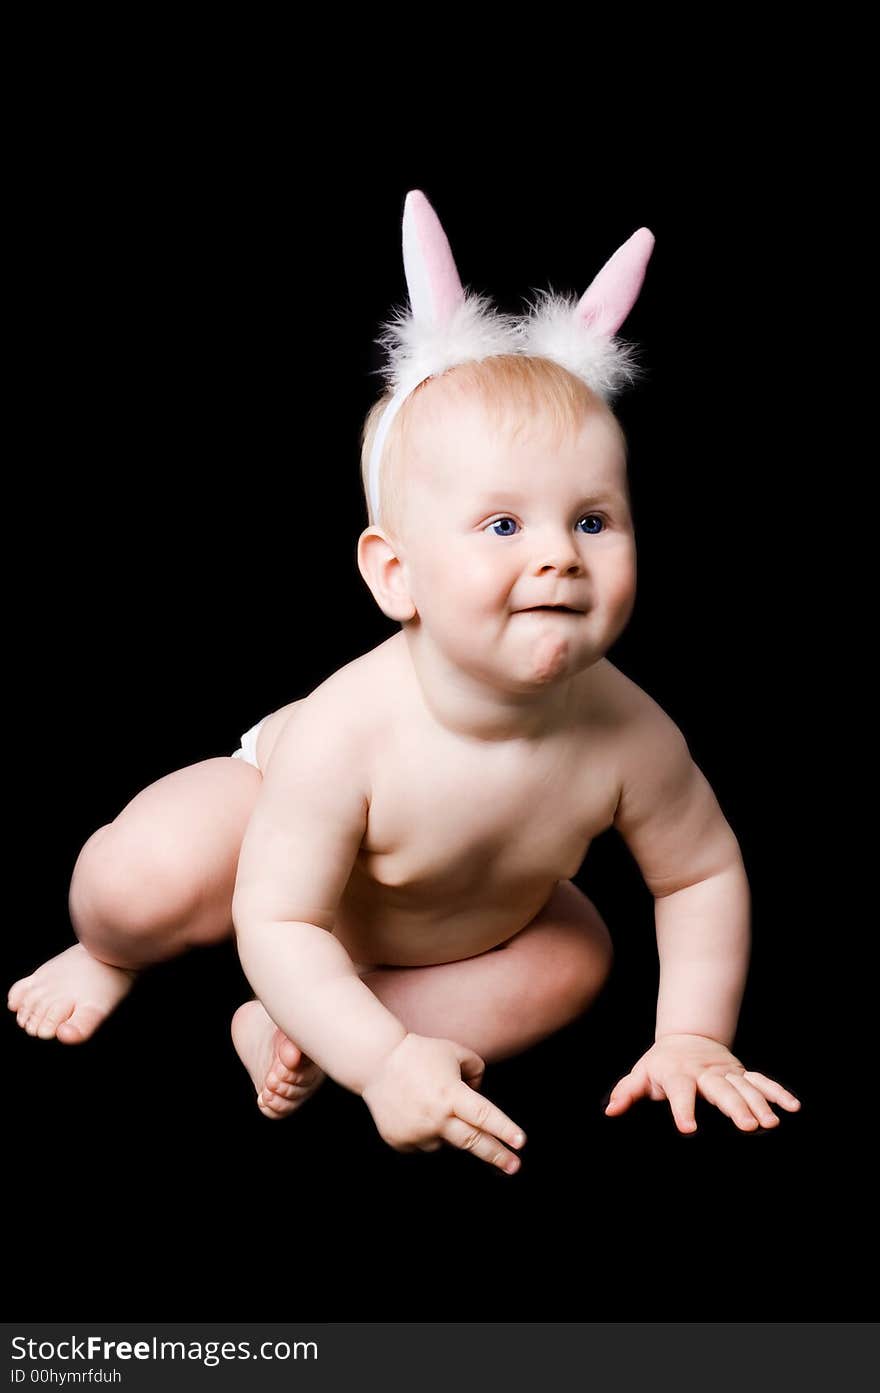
pixel 514 390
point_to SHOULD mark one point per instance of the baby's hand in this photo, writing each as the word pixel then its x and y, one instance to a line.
pixel 419 1099
pixel 676 1066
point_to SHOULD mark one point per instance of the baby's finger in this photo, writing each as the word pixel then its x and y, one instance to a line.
pixel 774 1091
pixel 470 1138
pixel 722 1093
pixel 478 1112
pixel 682 1093
pixel 471 1066
pixel 756 1101
pixel 626 1091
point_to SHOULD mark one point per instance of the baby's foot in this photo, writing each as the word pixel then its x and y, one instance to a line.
pixel 69 996
pixel 283 1076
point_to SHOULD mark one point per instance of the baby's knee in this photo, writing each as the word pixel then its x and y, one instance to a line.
pixel 589 959
pixel 127 888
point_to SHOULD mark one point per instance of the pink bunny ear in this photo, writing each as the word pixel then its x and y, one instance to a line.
pixel 611 295
pixel 431 276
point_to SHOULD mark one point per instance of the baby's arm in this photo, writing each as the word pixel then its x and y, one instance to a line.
pixel 691 862
pixel 296 857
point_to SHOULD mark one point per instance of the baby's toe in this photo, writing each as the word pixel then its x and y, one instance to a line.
pixel 36 1017
pixel 283 1087
pixel 56 1014
pixel 16 993
pixel 272 1105
pixel 289 1054
pixel 29 1015
pixel 25 1008
pixel 39 1007
pixel 82 1023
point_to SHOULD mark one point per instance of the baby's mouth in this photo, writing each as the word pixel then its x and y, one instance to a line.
pixel 549 609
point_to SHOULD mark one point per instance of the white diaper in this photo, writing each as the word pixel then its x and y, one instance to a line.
pixel 248 750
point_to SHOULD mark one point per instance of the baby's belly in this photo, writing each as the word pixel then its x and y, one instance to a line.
pixel 378 929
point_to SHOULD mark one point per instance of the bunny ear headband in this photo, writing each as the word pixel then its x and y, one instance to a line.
pixel 446 325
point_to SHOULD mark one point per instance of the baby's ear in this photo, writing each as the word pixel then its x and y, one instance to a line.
pixel 385 574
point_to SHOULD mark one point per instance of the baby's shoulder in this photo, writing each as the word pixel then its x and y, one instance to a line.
pixel 637 743
pixel 343 710
pixel 613 698
pixel 648 739
pixel 621 707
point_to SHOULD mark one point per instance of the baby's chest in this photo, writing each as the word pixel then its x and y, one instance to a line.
pixel 448 825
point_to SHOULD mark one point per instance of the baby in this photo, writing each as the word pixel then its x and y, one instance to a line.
pixel 373 846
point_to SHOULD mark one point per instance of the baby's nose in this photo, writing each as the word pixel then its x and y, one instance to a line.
pixel 563 557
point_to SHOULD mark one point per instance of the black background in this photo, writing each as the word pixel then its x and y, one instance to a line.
pixel 200 297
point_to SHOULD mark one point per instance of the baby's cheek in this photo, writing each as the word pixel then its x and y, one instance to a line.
pixel 434 584
pixel 621 594
pixel 470 586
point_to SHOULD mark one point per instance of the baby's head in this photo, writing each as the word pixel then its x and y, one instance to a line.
pixel 503 541
pixel 503 488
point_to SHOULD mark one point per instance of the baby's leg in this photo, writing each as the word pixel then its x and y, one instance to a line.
pixel 498 1003
pixel 509 998
pixel 152 883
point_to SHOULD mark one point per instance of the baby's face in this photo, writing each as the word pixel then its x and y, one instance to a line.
pixel 494 528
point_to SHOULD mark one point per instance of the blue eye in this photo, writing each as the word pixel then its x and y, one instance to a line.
pixel 498 522
pixel 510 525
